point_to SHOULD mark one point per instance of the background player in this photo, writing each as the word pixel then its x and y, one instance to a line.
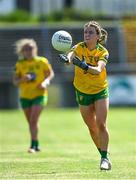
pixel 32 75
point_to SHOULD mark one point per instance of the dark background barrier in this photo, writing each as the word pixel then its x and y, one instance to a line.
pixel 63 75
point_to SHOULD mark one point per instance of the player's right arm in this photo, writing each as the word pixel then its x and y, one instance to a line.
pixel 67 58
pixel 18 78
pixel 72 58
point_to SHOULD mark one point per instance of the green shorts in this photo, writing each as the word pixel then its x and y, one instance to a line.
pixel 87 99
pixel 41 100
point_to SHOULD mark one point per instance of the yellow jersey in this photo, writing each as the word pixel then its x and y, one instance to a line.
pixel 85 82
pixel 38 66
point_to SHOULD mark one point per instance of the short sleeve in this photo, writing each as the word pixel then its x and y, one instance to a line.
pixel 17 69
pixel 104 56
pixel 46 64
pixel 77 49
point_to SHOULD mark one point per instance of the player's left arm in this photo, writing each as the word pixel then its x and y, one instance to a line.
pixel 49 75
pixel 81 63
pixel 97 69
pixel 100 64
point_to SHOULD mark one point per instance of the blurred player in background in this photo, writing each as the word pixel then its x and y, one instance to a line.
pixel 91 86
pixel 32 75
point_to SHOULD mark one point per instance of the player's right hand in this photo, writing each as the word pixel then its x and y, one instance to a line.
pixel 31 76
pixel 63 58
pixel 27 77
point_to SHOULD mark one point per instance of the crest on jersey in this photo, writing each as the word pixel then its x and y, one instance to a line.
pixel 96 58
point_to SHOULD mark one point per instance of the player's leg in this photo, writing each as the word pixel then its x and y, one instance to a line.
pixel 36 109
pixel 26 106
pixel 33 124
pixel 101 109
pixel 27 112
pixel 88 114
pixel 32 110
pixel 86 106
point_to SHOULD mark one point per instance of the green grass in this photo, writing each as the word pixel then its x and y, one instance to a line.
pixel 67 150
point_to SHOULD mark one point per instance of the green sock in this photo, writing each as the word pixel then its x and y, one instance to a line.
pixel 104 154
pixel 33 143
pixel 36 144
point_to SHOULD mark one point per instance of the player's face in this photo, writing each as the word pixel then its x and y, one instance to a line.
pixel 28 51
pixel 90 35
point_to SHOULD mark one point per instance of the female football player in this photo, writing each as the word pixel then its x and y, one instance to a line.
pixel 91 86
pixel 32 75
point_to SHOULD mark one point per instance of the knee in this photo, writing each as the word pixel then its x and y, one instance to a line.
pixel 33 124
pixel 101 126
pixel 93 129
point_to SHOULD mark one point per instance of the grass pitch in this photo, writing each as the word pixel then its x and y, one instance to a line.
pixel 67 150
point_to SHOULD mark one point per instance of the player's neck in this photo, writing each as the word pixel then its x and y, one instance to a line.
pixel 29 58
pixel 91 46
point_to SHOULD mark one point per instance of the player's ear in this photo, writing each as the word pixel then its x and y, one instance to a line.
pixel 98 37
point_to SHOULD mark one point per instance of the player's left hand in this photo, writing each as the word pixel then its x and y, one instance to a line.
pixel 44 84
pixel 80 63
